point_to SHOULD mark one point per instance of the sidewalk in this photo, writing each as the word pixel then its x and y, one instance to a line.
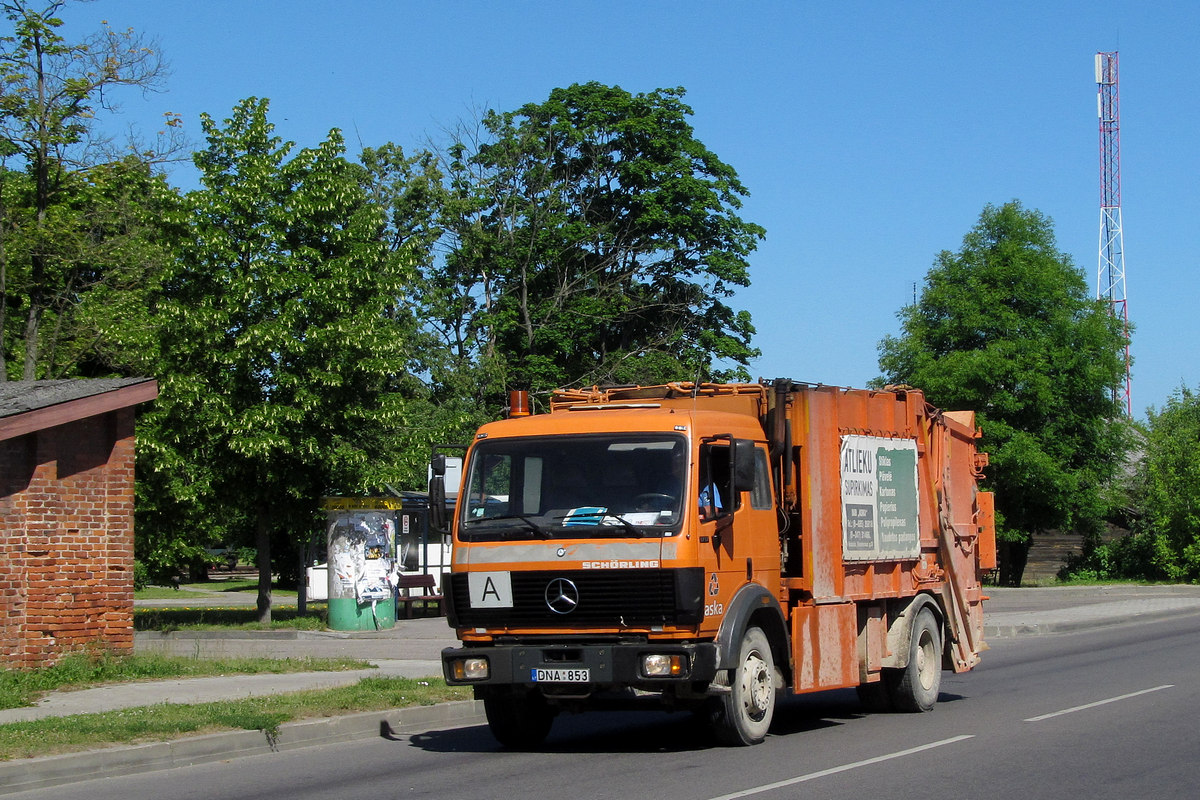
pixel 411 649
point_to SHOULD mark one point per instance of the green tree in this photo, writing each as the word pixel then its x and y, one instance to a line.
pixel 442 393
pixel 108 240
pixel 592 238
pixel 103 322
pixel 53 249
pixel 1167 492
pixel 1006 327
pixel 282 342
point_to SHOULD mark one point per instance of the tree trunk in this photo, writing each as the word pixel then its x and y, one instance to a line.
pixel 29 372
pixel 262 541
pixel 3 292
pixel 302 581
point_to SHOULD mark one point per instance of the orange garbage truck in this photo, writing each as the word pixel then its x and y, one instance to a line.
pixel 710 546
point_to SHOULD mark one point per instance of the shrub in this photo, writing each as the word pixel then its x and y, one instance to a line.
pixel 1141 556
pixel 141 576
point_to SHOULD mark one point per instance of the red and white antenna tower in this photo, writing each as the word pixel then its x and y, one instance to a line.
pixel 1110 276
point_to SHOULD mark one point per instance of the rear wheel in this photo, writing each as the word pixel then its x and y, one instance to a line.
pixel 743 715
pixel 518 719
pixel 915 688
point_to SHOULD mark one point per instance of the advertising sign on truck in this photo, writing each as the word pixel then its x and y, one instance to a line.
pixel 879 498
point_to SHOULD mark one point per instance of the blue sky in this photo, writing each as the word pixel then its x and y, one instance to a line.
pixel 870 134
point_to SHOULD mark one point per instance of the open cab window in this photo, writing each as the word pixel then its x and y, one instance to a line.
pixel 720 488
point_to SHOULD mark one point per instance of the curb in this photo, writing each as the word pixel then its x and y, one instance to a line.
pixel 47 771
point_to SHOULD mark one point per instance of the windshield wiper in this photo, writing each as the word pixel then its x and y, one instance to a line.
pixel 633 530
pixel 532 527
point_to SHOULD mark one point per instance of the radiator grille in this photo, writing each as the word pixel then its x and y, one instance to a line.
pixel 630 598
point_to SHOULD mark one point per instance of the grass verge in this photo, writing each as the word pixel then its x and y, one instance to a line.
pixel 169 721
pixel 200 618
pixel 206 589
pixel 83 670
pixel 209 618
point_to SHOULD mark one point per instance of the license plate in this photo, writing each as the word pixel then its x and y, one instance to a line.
pixel 560 675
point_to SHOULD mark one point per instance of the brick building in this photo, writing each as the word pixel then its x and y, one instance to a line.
pixel 66 516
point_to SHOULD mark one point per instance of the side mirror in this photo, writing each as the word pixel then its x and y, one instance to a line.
pixel 743 466
pixel 437 493
pixel 444 472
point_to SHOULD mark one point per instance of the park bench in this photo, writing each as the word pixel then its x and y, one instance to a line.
pixel 428 596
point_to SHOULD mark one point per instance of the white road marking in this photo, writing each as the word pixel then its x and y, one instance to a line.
pixel 1100 703
pixel 767 787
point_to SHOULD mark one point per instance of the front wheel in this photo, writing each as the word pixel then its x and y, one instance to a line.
pixel 915 688
pixel 518 719
pixel 743 715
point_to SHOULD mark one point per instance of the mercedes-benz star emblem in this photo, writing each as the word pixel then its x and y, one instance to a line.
pixel 562 596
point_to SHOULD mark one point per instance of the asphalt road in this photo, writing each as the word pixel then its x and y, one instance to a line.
pixel 1100 714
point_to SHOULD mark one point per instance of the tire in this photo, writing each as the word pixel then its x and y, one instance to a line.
pixel 519 720
pixel 915 688
pixel 743 715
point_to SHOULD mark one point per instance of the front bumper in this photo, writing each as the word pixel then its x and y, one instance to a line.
pixel 608 665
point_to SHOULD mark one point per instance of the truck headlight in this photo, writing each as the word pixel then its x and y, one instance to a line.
pixel 663 665
pixel 469 669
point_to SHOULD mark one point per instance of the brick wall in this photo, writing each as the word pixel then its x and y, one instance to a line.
pixel 66 545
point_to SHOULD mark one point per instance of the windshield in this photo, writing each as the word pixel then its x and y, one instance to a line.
pixel 574 487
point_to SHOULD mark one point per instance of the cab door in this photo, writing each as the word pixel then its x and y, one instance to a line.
pixel 738 537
